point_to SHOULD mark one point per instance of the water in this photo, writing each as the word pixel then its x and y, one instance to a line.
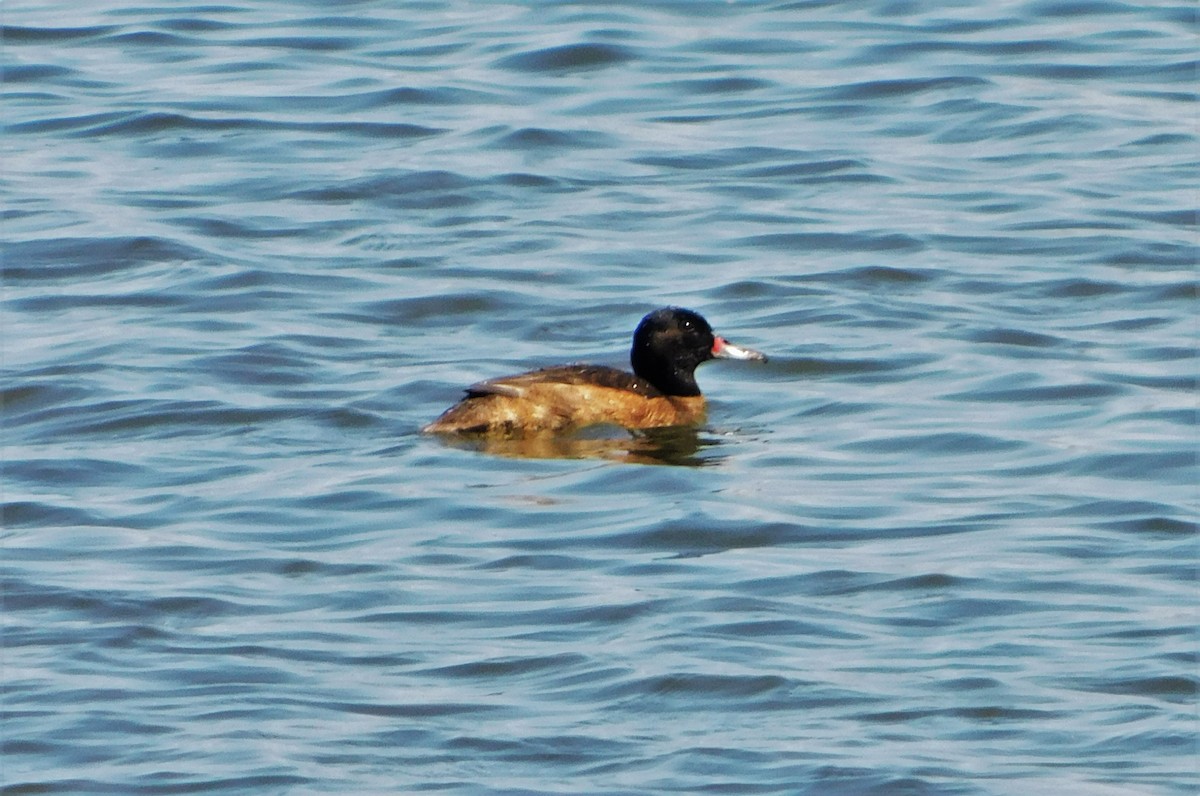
pixel 944 543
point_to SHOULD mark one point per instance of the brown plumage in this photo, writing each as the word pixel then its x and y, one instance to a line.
pixel 662 391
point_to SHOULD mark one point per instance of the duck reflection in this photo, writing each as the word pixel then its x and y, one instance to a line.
pixel 678 446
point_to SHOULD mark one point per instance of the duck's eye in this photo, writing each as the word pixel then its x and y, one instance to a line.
pixel 687 324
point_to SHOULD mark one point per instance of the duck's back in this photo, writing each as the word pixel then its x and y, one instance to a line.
pixel 563 397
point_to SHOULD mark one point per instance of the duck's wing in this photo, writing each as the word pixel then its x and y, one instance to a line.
pixel 584 375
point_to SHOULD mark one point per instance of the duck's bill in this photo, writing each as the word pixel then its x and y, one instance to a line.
pixel 723 349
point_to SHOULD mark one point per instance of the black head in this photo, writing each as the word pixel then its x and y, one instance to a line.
pixel 668 345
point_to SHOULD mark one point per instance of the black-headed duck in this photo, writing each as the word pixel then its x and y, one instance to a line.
pixel 667 346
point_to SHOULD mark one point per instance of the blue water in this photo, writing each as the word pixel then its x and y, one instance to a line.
pixel 944 543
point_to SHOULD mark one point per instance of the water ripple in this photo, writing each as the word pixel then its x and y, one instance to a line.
pixel 568 58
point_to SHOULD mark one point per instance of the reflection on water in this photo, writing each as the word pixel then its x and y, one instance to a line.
pixel 679 446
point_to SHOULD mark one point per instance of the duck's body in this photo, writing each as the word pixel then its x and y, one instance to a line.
pixel 567 396
pixel 662 391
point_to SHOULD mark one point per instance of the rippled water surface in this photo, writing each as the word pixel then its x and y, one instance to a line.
pixel 944 543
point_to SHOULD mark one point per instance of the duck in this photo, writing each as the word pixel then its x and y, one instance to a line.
pixel 668 344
